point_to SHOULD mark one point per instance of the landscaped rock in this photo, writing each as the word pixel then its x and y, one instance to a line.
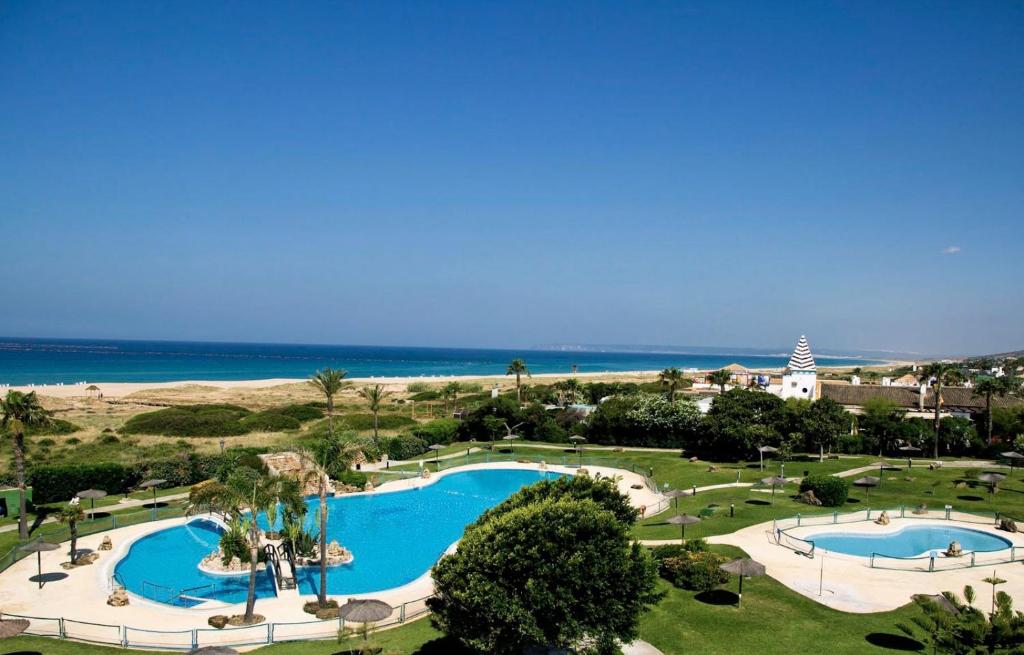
pixel 106 544
pixel 883 518
pixel 83 560
pixel 694 459
pixel 337 554
pixel 327 613
pixel 425 474
pixel 921 509
pixel 118 599
pixel 312 607
pixel 217 621
pixel 239 619
pixel 215 562
pixel 955 549
pixel 712 468
pixel 1008 524
pixel 960 485
pixel 808 498
pixel 368 486
pixel 934 466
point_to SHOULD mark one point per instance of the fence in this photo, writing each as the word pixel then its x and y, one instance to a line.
pixel 929 563
pixel 233 636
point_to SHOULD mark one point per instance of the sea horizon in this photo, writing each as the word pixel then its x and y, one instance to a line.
pixel 37 361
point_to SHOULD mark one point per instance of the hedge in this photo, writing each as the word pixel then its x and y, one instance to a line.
pixel 190 421
pixel 56 483
pixel 404 446
pixel 829 489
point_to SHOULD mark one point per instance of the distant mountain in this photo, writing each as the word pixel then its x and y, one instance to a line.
pixel 724 350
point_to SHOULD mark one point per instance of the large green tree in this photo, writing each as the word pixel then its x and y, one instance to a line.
pixel 561 573
pixel 577 487
pixel 823 423
pixel 671 379
pixel 517 367
pixel 21 411
pixel 450 393
pixel 988 388
pixel 741 420
pixel 939 375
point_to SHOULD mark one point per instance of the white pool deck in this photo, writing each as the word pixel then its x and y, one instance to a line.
pixel 82 593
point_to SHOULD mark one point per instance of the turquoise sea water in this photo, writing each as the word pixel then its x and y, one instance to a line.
pixel 50 361
pixel 912 541
pixel 394 537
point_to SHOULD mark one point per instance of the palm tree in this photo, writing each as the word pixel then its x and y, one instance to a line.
pixel 939 374
pixel 71 514
pixel 672 378
pixel 569 390
pixel 988 388
pixel 720 377
pixel 247 491
pixel 328 455
pixel 329 382
pixel 21 411
pixel 450 392
pixel 374 395
pixel 517 367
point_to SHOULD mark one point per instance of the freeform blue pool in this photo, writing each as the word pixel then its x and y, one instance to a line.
pixel 911 541
pixel 395 537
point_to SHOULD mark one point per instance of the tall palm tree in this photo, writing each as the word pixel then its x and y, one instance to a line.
pixel 939 374
pixel 244 495
pixel 71 514
pixel 672 378
pixel 374 395
pixel 328 455
pixel 20 412
pixel 329 382
pixel 570 390
pixel 450 392
pixel 517 367
pixel 988 388
pixel 720 377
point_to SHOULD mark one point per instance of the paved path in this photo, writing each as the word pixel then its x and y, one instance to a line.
pixel 639 647
pixel 957 464
pixel 131 503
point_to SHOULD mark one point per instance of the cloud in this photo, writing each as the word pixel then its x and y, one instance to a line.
pixel 951 250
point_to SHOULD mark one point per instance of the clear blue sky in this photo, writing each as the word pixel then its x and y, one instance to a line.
pixel 508 174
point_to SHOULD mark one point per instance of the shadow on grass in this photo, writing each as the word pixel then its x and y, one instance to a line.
pixel 893 642
pixel 159 504
pixel 717 597
pixel 754 501
pixel 22 652
pixel 972 499
pixel 852 501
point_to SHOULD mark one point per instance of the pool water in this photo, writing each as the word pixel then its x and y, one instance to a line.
pixel 394 537
pixel 911 541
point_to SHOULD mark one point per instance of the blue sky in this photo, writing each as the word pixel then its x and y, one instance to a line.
pixel 509 174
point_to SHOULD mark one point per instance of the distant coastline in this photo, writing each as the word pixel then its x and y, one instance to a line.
pixel 70 361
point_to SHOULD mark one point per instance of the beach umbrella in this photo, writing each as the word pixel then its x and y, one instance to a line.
pixel 365 610
pixel 213 650
pixel 744 568
pixel 683 520
pixel 92 495
pixel 992 479
pixel 38 547
pixel 774 480
pixel 1014 458
pixel 578 441
pixel 909 450
pixel 675 493
pixel 766 449
pixel 152 484
pixel 882 467
pixel 866 483
pixel 510 438
pixel 435 447
pixel 12 627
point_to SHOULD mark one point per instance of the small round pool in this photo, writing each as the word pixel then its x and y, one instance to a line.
pixel 911 541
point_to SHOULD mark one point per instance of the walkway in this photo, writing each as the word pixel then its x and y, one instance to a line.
pixel 131 503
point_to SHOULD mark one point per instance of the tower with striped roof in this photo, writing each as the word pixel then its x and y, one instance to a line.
pixel 800 378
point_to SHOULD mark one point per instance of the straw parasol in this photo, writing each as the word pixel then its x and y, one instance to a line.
pixel 675 493
pixel 744 568
pixel 12 627
pixel 365 611
pixel 152 484
pixel 683 520
pixel 774 481
pixel 766 449
pixel 213 650
pixel 866 483
pixel 92 495
pixel 38 547
pixel 1013 457
pixel 577 441
pixel 435 447
pixel 510 438
pixel 992 479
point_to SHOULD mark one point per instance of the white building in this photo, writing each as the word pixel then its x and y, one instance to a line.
pixel 800 378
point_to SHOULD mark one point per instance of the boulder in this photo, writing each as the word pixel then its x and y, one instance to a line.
pixel 955 549
pixel 106 544
pixel 712 468
pixel 426 474
pixel 694 459
pixel 118 599
pixel 883 518
pixel 217 621
pixel 1008 525
pixel 808 498
pixel 368 486
pixel 921 509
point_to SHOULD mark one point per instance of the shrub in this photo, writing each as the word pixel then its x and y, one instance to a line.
pixel 417 387
pixel 46 442
pixel 109 439
pixel 697 571
pixel 56 483
pixel 678 550
pixel 301 413
pixel 829 489
pixel 425 395
pixel 385 421
pixel 404 446
pixel 73 441
pixel 190 421
pixel 51 427
pixel 354 478
pixel 269 422
pixel 440 431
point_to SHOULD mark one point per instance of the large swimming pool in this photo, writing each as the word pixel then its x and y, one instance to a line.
pixel 911 541
pixel 395 537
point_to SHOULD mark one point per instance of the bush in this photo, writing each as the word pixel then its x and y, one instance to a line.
pixel 270 422
pixel 354 478
pixel 425 395
pixel 365 421
pixel 109 439
pixel 696 571
pixel 73 441
pixel 404 446
pixel 440 431
pixel 829 489
pixel 300 413
pixel 51 427
pixel 190 421
pixel 678 550
pixel 417 387
pixel 56 483
pixel 46 442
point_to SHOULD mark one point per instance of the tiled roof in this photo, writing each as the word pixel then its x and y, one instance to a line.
pixel 953 398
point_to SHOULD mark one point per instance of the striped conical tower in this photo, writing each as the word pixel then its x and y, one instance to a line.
pixel 800 379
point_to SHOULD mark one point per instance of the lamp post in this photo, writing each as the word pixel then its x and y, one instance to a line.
pixel 222 445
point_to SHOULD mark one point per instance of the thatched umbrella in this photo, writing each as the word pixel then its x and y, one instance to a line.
pixel 38 547
pixel 436 447
pixel 577 441
pixel 510 438
pixel 365 611
pixel 866 483
pixel 909 450
pixel 683 520
pixel 884 466
pixel 213 650
pixel 12 627
pixel 992 479
pixel 152 484
pixel 744 568
pixel 92 495
pixel 774 480
pixel 766 449
pixel 1014 459
pixel 675 493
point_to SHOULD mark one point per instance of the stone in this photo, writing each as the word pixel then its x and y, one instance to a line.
pixel 921 509
pixel 106 544
pixel 217 621
pixel 368 486
pixel 694 459
pixel 712 468
pixel 808 498
pixel 118 599
pixel 426 474
pixel 960 485
pixel 955 549
pixel 1008 525
pixel 883 518
pixel 215 562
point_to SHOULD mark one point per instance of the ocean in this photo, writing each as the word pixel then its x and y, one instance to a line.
pixel 51 361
